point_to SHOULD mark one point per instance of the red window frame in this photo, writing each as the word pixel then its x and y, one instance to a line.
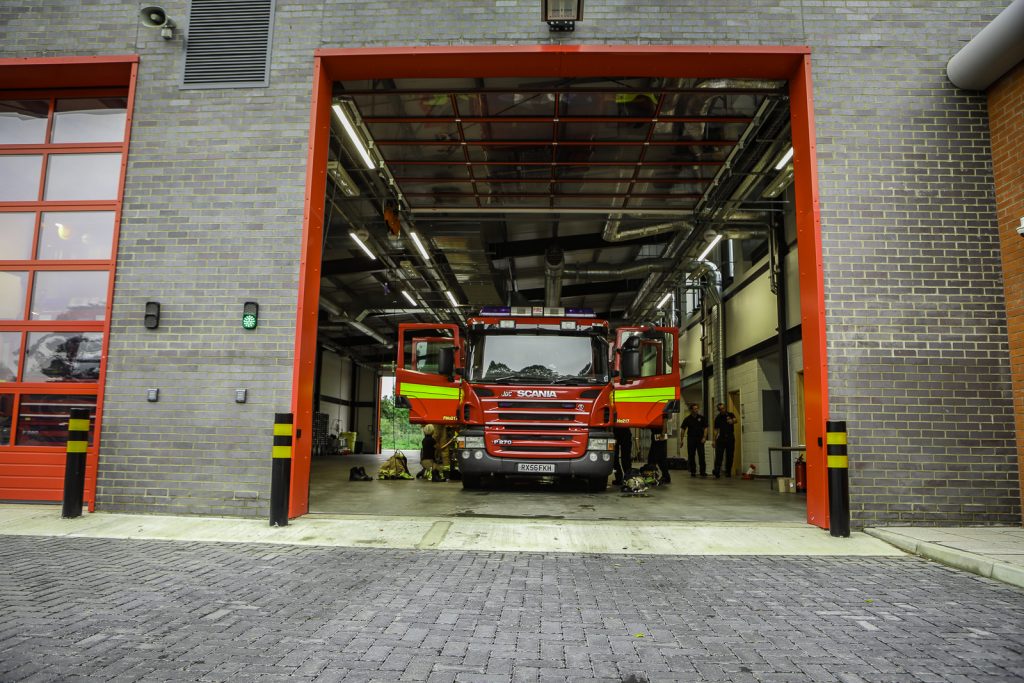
pixel 35 472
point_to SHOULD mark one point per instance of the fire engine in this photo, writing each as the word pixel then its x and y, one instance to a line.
pixel 537 391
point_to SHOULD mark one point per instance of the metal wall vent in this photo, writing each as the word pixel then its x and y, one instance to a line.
pixel 228 43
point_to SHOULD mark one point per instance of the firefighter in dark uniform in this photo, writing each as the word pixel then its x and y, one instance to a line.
pixel 623 454
pixel 696 427
pixel 725 441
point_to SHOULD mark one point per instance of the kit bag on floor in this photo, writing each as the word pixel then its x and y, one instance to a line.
pixel 395 467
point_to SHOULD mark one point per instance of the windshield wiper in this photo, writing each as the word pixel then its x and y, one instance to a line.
pixel 516 377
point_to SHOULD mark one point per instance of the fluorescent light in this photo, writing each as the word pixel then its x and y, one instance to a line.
pixel 664 299
pixel 707 250
pixel 351 132
pixel 419 245
pixel 362 244
pixel 451 297
pixel 408 297
pixel 784 160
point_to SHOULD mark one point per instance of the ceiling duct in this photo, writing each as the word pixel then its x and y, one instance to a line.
pixel 613 231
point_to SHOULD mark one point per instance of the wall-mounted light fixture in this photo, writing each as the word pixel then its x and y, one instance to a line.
pixel 562 15
pixel 451 297
pixel 155 16
pixel 408 297
pixel 151 319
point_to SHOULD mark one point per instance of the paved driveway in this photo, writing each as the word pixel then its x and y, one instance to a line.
pixel 129 610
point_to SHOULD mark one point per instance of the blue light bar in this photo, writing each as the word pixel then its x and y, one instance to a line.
pixel 580 313
pixel 495 310
pixel 538 312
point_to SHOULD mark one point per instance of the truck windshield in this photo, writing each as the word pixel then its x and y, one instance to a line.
pixel 538 359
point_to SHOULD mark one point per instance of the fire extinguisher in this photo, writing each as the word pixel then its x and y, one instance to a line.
pixel 801 474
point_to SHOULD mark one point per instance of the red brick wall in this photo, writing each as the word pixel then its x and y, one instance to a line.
pixel 1006 123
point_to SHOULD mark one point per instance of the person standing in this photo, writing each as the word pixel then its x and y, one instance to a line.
pixel 658 455
pixel 696 427
pixel 725 441
pixel 623 454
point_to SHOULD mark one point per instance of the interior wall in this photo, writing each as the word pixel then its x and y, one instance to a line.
pixel 336 390
pixel 365 402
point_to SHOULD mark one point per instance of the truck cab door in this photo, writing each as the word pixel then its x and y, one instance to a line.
pixel 428 372
pixel 648 391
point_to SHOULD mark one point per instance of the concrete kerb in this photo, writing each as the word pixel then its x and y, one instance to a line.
pixel 434 533
pixel 952 557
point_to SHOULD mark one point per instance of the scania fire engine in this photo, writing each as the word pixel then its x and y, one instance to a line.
pixel 536 391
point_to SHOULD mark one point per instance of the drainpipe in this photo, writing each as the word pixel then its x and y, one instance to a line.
pixel 995 50
pixel 554 265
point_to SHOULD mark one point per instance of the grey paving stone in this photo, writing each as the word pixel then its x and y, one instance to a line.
pixel 117 610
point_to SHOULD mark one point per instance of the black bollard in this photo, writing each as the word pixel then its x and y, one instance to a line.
pixel 838 479
pixel 281 474
pixel 74 466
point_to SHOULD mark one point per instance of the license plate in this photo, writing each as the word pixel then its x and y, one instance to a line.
pixel 538 467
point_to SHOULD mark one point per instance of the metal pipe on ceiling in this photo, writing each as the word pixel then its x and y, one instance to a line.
pixel 613 231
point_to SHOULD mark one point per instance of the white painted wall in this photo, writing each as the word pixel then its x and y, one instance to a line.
pixel 750 316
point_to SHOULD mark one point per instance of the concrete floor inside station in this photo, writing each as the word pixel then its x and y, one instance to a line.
pixel 684 500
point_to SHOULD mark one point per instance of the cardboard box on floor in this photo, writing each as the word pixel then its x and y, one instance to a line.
pixel 785 485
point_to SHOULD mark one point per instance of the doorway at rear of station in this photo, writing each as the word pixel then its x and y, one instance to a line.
pixel 350 304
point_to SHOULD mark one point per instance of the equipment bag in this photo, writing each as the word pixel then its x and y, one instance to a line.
pixel 395 467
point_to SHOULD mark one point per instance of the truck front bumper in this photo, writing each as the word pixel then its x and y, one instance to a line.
pixel 584 466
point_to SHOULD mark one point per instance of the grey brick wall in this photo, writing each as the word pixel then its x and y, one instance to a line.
pixel 918 355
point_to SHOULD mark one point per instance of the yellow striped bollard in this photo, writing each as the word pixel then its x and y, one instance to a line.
pixel 838 479
pixel 281 475
pixel 74 466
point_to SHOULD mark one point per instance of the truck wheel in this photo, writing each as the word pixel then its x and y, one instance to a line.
pixel 597 484
pixel 471 482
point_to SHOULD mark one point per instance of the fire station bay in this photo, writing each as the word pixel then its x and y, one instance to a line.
pixel 658 261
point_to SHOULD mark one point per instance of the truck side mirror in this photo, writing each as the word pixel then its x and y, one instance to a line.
pixel 630 363
pixel 446 361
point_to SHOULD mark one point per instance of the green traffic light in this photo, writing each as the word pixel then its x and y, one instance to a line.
pixel 249 322
pixel 250 315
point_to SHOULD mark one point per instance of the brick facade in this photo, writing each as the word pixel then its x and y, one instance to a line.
pixel 213 213
pixel 1006 123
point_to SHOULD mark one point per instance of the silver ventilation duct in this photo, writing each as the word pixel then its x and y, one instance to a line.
pixel 995 50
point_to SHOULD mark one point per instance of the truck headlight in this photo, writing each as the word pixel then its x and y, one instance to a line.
pixel 593 456
pixel 470 442
pixel 479 455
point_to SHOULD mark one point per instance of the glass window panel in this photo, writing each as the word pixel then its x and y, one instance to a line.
pixel 442 130
pixel 589 104
pixel 76 235
pixel 604 130
pixel 415 104
pixel 63 357
pixel 16 231
pixel 6 418
pixel 10 352
pixel 69 295
pixel 12 295
pixel 19 177
pixel 399 153
pixel 514 130
pixel 453 171
pixel 43 418
pixel 90 120
pixel 82 176
pixel 23 122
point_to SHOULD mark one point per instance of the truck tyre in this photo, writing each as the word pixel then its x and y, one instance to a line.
pixel 597 484
pixel 471 482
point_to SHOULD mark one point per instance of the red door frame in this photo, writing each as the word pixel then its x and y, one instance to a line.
pixel 37 78
pixel 791 63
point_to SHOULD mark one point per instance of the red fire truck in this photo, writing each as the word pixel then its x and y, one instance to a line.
pixel 536 391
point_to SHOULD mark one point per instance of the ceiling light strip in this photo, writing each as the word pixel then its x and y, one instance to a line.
pixel 707 250
pixel 362 244
pixel 451 297
pixel 419 245
pixel 354 137
pixel 784 160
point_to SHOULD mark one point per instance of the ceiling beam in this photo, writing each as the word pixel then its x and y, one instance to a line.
pixel 351 266
pixel 537 247
pixel 587 288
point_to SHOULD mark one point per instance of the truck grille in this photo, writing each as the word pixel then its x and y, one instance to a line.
pixel 537 428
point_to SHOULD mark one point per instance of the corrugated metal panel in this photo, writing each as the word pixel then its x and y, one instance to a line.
pixel 228 43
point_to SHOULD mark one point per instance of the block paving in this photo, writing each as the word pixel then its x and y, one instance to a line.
pixel 76 609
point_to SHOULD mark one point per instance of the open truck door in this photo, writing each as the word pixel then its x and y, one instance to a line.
pixel 645 389
pixel 428 375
